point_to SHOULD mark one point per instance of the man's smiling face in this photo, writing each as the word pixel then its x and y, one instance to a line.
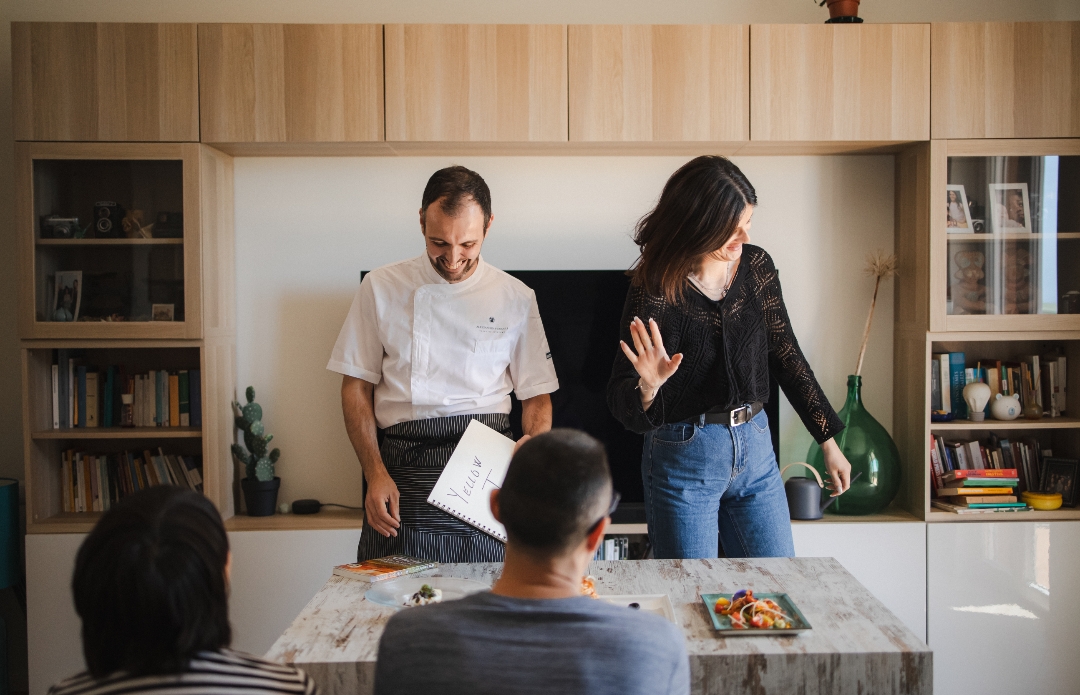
pixel 453 242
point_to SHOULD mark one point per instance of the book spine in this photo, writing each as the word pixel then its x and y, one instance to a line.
pixel 65 480
pixel 1062 381
pixel 935 385
pixel 956 384
pixel 943 381
pixel 55 396
pixel 935 465
pixel 81 404
pixel 195 387
pixel 107 397
pixel 62 368
pixel 184 400
pixel 91 395
pixel 174 400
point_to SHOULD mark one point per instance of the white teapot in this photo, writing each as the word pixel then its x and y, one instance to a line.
pixel 1005 407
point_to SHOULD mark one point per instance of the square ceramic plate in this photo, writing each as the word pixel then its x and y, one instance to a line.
pixel 722 623
pixel 658 604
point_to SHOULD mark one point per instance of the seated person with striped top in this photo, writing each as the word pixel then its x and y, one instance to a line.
pixel 534 632
pixel 151 587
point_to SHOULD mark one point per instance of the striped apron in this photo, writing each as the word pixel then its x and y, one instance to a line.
pixel 414 454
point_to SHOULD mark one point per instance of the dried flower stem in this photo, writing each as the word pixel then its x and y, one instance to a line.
pixel 880 266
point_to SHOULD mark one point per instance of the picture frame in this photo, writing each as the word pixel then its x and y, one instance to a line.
pixel 67 295
pixel 957 213
pixel 1008 208
pixel 1060 475
pixel 162 312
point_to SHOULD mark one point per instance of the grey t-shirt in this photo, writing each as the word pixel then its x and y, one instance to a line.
pixel 495 644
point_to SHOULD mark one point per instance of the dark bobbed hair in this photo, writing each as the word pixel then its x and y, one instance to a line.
pixel 452 187
pixel 149 584
pixel 698 211
pixel 557 486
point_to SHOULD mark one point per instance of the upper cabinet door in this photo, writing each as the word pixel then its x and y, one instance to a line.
pixel 111 82
pixel 1006 80
pixel 459 82
pixel 291 82
pixel 840 82
pixel 664 83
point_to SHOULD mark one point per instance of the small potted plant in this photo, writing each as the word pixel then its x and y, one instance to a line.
pixel 842 11
pixel 260 485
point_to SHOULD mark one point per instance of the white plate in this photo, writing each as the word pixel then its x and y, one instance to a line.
pixel 658 604
pixel 396 592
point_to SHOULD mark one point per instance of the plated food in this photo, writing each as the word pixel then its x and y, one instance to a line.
pixel 424 596
pixel 588 586
pixel 744 612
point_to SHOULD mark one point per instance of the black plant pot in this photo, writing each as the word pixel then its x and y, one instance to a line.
pixel 260 495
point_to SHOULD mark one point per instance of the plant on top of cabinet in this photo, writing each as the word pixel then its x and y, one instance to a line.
pixel 260 484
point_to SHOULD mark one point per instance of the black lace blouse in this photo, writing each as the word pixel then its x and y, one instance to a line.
pixel 729 348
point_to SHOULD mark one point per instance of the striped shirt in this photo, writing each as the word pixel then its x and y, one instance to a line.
pixel 222 673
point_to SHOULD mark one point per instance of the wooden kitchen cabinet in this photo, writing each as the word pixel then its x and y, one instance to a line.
pixel 840 82
pixel 473 82
pixel 87 81
pixel 291 82
pixel 665 83
pixel 1006 80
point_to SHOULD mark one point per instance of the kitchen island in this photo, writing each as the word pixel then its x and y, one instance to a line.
pixel 856 645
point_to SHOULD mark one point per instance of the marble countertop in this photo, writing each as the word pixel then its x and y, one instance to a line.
pixel 856 645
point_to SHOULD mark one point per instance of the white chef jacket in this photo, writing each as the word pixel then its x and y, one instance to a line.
pixel 436 349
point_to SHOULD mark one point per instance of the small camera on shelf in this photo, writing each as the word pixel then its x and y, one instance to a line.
pixel 56 227
pixel 107 216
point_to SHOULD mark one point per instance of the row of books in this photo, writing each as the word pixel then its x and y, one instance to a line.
pixel 1033 379
pixel 991 489
pixel 1022 456
pixel 617 548
pixel 94 482
pixel 84 396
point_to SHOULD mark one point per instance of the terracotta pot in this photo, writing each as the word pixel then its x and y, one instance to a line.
pixel 843 8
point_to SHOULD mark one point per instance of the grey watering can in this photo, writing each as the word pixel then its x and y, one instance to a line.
pixel 804 494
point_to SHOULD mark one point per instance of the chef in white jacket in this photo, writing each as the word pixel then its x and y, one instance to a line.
pixel 430 344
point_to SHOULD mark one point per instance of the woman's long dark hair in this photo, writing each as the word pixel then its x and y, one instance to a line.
pixel 698 212
pixel 150 585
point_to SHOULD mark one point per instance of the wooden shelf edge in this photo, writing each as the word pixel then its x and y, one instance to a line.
pixel 111 242
pixel 627 529
pixel 889 516
pixel 322 521
pixel 119 433
pixel 65 522
pixel 1045 423
pixel 557 148
pixel 937 516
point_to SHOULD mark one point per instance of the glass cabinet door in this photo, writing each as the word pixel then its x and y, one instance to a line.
pixel 1013 235
pixel 108 241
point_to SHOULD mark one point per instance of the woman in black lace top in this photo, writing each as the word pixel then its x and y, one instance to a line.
pixel 703 295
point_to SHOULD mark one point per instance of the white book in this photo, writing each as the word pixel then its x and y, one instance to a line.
pixel 946 392
pixel 477 466
pixel 56 396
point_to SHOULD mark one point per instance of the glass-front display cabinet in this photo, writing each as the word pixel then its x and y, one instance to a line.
pixel 1008 215
pixel 111 239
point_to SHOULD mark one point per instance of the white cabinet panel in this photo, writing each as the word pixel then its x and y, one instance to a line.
pixel 275 574
pixel 1002 608
pixel 52 627
pixel 888 559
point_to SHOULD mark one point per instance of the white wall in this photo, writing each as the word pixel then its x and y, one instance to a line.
pixel 305 228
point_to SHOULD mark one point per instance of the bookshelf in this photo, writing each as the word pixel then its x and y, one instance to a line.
pixel 189 267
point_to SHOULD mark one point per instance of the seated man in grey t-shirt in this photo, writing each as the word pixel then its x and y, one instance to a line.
pixel 534 632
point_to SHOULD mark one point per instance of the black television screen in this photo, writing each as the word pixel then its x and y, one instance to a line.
pixel 581 310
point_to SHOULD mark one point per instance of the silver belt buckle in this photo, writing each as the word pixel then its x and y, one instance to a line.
pixel 741 415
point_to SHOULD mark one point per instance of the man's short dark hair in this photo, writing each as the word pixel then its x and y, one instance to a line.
pixel 557 486
pixel 453 187
pixel 149 584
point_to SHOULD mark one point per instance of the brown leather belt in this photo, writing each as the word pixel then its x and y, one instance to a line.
pixel 734 417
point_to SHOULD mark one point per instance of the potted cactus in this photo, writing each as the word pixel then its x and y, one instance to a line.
pixel 260 485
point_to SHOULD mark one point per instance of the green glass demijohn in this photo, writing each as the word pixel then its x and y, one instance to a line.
pixel 870 450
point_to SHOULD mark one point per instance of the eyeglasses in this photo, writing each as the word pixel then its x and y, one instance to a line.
pixel 615 497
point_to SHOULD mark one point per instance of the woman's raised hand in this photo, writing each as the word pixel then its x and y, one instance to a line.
pixel 648 355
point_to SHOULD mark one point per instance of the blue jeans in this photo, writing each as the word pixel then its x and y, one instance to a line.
pixel 704 479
